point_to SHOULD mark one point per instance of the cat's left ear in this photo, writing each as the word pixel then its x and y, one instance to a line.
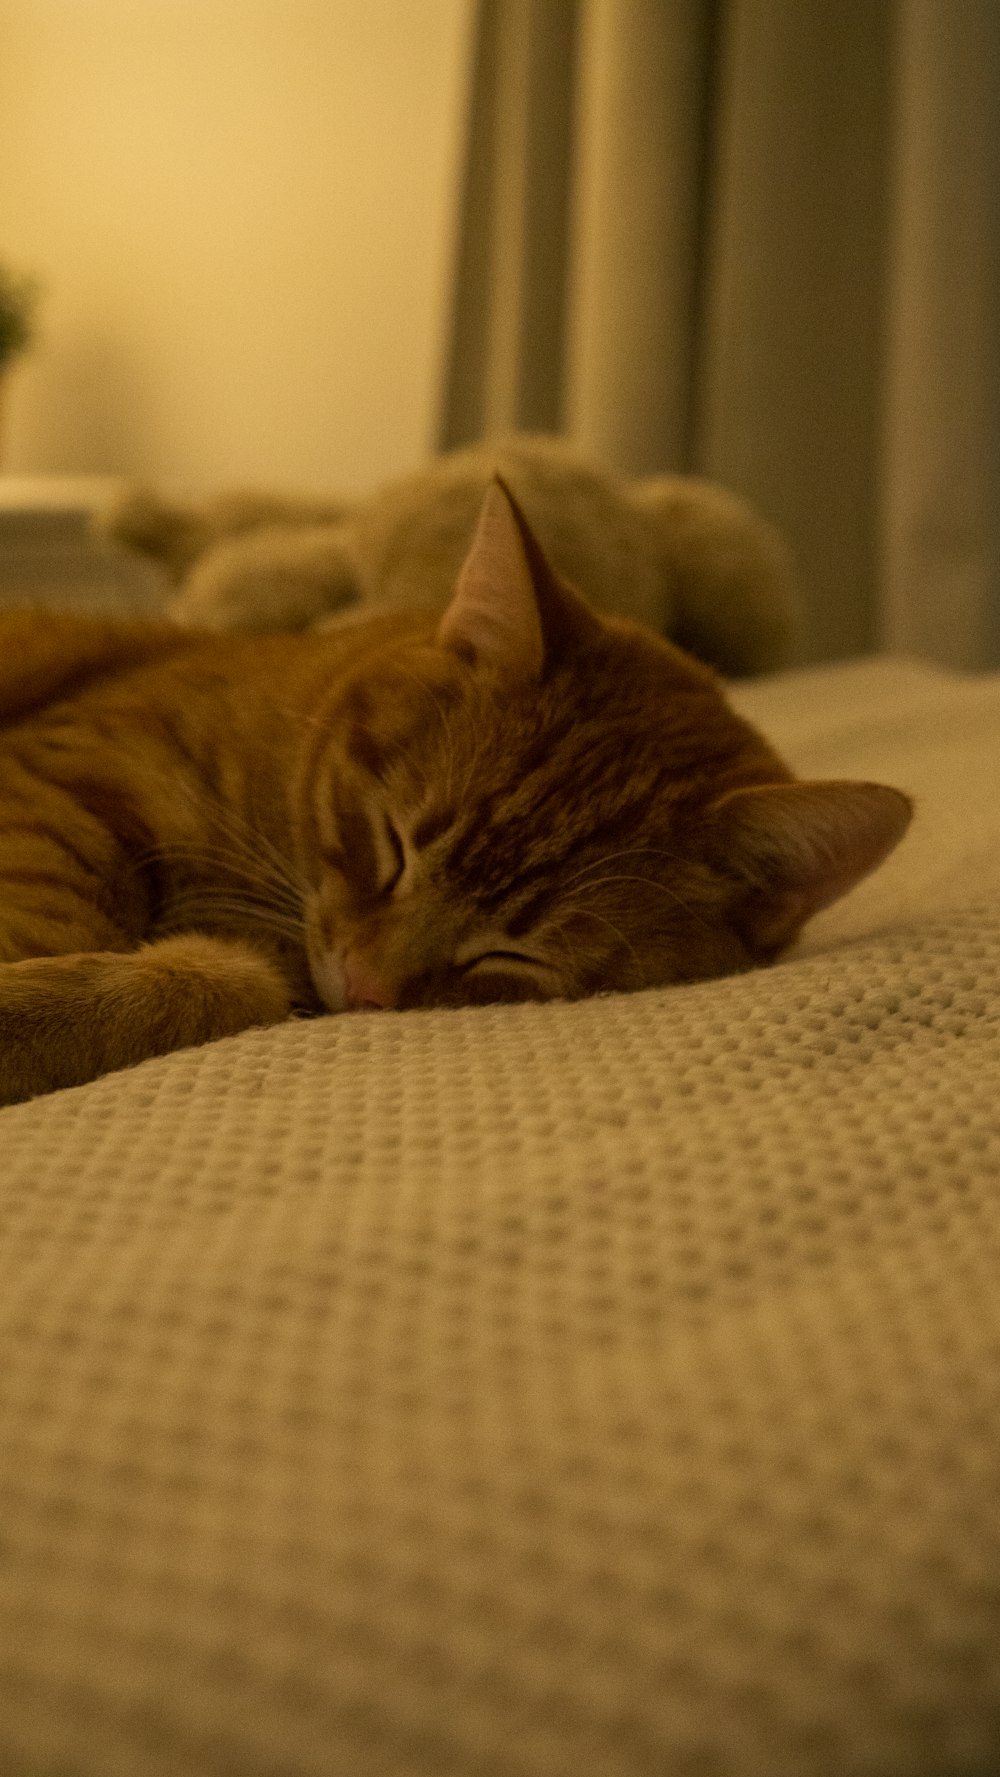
pixel 508 610
pixel 797 847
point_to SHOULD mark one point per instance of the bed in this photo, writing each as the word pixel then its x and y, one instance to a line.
pixel 606 1389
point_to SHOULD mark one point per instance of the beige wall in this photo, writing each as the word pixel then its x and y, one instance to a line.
pixel 243 211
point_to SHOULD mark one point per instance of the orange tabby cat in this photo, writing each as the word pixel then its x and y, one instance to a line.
pixel 521 799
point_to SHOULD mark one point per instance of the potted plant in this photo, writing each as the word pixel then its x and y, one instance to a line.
pixel 19 295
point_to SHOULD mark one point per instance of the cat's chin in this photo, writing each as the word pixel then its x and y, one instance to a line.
pixel 329 980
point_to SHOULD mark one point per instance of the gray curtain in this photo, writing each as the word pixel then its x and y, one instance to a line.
pixel 758 240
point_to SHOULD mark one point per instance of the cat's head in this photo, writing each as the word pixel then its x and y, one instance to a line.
pixel 529 801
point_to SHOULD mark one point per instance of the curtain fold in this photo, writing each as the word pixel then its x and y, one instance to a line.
pixel 792 318
pixel 640 200
pixel 941 480
pixel 755 239
pixel 506 367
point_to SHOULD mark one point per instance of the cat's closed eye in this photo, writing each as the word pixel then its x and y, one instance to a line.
pixel 502 959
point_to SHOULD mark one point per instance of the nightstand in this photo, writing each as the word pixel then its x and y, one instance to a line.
pixel 51 554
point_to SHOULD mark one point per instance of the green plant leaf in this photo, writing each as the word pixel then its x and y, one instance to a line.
pixel 19 295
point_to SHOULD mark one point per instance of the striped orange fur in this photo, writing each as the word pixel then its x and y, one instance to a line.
pixel 200 832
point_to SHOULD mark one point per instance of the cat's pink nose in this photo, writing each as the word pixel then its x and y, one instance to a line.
pixel 365 988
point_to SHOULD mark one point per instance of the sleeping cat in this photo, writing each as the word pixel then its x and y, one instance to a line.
pixel 519 799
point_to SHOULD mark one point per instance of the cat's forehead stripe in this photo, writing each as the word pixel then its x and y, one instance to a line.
pixel 365 749
pixel 431 826
pixel 518 864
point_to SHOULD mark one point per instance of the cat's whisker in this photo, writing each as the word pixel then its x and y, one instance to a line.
pixel 650 882
pixel 248 867
pixel 561 941
pixel 588 913
pixel 196 907
pixel 253 843
pixel 278 892
pixel 247 841
pixel 253 893
pixel 199 919
pixel 233 856
pixel 630 851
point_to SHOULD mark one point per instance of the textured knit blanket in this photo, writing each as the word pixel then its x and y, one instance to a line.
pixel 595 1390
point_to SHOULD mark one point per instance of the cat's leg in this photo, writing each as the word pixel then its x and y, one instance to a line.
pixel 275 577
pixel 66 1019
pixel 728 584
pixel 176 535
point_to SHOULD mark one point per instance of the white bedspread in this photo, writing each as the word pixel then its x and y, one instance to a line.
pixel 597 1390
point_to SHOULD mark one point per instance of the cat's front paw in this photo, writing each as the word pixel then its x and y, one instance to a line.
pixel 728 581
pixel 65 1020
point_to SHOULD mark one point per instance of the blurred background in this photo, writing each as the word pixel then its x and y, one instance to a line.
pixel 305 243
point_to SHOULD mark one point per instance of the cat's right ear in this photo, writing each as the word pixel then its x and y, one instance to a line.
pixel 508 610
pixel 493 616
pixel 797 847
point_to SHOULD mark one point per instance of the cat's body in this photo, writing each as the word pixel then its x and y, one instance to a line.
pixel 200 832
pixel 683 555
